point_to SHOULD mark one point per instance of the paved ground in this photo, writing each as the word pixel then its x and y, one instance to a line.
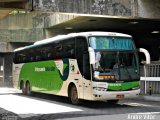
pixel 15 106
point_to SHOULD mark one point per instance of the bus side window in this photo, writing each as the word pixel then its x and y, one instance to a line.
pixel 24 59
pixel 69 48
pixel 25 56
pixel 58 52
pixel 31 55
pixel 32 59
pixel 38 53
pixel 49 55
pixel 38 58
pixel 17 57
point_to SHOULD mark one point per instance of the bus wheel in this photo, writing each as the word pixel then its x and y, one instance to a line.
pixel 74 95
pixel 28 89
pixel 22 87
pixel 112 101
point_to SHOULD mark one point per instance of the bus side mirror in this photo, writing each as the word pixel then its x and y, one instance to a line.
pixel 146 53
pixel 91 55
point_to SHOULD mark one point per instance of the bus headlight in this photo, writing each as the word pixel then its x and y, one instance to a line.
pixel 112 77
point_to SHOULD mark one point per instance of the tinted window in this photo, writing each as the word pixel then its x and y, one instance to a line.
pixel 56 50
pixel 69 48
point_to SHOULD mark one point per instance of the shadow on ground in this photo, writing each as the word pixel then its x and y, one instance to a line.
pixel 89 108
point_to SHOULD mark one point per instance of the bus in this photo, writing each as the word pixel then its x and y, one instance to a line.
pixel 96 66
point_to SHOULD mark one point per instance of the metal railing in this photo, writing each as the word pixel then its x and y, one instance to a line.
pixel 150 78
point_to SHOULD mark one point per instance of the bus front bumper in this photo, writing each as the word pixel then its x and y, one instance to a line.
pixel 114 95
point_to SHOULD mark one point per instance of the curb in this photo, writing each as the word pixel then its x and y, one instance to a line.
pixel 152 98
pixel 155 98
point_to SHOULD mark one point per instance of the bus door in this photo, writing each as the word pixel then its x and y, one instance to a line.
pixel 87 86
pixel 82 57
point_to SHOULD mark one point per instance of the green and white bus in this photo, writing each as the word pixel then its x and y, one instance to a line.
pixel 97 66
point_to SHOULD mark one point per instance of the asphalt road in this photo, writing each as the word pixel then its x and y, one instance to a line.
pixel 15 106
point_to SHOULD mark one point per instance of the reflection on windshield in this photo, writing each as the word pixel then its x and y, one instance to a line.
pixel 120 65
pixel 97 65
pixel 105 61
pixel 128 66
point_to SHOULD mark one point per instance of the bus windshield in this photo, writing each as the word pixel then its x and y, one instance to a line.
pixel 116 59
pixel 111 43
pixel 117 65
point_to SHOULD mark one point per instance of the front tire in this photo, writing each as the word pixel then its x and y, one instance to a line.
pixel 74 95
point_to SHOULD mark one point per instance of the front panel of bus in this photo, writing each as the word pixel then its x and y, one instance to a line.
pixel 115 74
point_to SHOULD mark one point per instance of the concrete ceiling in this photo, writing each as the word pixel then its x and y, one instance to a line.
pixel 139 28
pixel 85 23
pixel 12 4
pixel 6 6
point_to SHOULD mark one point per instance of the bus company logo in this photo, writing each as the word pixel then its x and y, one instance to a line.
pixel 40 69
pixel 114 84
pixel 44 69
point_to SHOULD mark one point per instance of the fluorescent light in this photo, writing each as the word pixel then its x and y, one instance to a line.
pixel 134 22
pixel 155 32
pixel 68 28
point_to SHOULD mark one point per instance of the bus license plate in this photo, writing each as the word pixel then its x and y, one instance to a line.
pixel 120 96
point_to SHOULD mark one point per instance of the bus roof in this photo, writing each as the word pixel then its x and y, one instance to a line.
pixel 60 37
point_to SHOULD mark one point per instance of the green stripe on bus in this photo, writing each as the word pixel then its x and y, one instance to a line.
pixel 44 76
pixel 123 86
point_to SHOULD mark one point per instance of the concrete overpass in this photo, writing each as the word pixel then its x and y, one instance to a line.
pixel 48 18
pixel 129 8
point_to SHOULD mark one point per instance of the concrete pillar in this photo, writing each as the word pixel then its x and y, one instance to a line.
pixel 7 69
pixel 1 70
